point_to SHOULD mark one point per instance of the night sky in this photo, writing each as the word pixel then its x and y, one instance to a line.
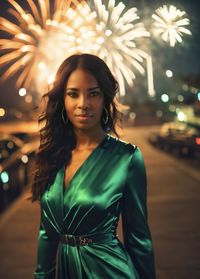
pixel 184 57
pixel 183 60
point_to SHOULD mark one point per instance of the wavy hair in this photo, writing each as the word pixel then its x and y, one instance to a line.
pixel 57 138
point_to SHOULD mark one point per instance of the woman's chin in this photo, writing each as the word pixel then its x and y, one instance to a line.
pixel 86 126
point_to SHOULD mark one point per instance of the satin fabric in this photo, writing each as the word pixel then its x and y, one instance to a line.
pixel 112 180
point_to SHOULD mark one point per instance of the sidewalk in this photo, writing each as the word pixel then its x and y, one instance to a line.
pixel 174 206
pixel 18 234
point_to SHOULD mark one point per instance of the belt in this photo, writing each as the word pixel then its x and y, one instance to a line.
pixel 82 240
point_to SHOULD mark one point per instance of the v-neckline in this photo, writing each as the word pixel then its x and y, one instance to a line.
pixel 66 188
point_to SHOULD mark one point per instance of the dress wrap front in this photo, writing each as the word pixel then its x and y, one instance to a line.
pixel 112 180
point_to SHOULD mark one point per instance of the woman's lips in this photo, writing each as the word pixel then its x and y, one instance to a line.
pixel 84 116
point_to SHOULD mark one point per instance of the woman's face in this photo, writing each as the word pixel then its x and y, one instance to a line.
pixel 83 100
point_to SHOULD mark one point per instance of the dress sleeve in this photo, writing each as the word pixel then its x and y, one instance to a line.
pixel 136 233
pixel 46 257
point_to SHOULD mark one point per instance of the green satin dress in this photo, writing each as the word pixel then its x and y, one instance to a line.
pixel 112 180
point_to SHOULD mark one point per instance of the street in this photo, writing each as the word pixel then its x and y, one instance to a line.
pixel 173 203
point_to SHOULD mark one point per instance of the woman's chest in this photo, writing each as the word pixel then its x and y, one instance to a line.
pixel 77 160
pixel 98 185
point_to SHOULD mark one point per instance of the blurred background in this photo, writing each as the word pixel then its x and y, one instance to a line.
pixel 152 48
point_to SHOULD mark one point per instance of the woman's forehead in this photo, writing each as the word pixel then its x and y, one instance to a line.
pixel 81 78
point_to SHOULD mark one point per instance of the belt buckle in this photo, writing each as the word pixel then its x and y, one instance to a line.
pixel 84 240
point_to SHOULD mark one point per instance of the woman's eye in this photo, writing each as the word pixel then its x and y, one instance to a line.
pixel 94 93
pixel 72 94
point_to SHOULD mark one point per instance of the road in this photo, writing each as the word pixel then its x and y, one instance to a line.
pixel 174 206
pixel 173 203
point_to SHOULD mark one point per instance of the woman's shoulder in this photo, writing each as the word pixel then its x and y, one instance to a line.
pixel 122 145
pixel 129 152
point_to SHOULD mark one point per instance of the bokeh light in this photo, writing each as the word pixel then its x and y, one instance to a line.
pixel 164 98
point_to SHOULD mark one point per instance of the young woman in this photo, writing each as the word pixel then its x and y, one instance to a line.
pixel 85 178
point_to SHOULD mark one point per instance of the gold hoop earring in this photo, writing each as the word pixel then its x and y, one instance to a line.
pixel 64 117
pixel 105 120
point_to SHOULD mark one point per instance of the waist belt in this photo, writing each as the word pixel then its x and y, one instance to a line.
pixel 85 240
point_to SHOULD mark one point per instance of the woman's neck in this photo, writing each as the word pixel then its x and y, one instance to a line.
pixel 88 139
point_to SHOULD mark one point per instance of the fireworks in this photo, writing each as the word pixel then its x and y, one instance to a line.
pixel 45 36
pixel 42 37
pixel 110 33
pixel 38 41
pixel 115 40
pixel 170 23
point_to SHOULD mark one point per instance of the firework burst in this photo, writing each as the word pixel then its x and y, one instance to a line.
pixel 170 24
pixel 46 35
pixel 116 32
pixel 110 33
pixel 38 41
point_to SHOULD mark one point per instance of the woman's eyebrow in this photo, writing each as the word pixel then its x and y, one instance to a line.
pixel 71 88
pixel 93 88
pixel 89 89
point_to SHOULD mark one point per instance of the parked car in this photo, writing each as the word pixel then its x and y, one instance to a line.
pixel 178 137
pixel 15 155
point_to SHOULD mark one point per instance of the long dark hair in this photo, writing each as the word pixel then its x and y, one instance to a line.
pixel 57 139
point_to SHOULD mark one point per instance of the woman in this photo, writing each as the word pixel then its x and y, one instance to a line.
pixel 85 178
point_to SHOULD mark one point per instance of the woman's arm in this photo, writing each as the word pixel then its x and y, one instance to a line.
pixel 137 237
pixel 46 258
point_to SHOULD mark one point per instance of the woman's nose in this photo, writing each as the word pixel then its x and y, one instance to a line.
pixel 83 102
